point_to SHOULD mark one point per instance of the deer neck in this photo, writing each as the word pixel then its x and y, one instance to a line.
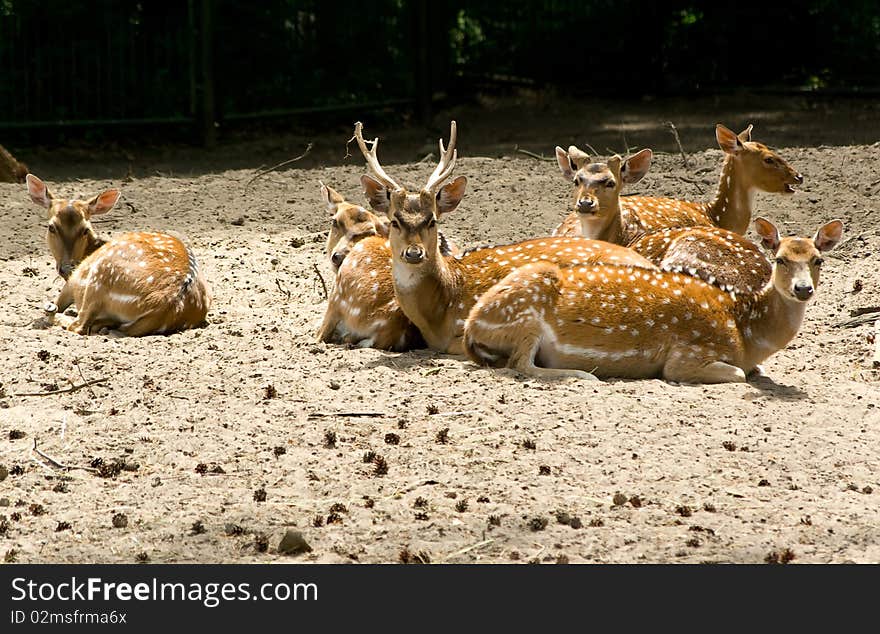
pixel 611 231
pixel 427 295
pixel 94 242
pixel 732 206
pixel 768 322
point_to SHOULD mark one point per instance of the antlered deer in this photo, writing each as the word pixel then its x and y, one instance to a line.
pixel 436 290
pixel 748 166
pixel 362 309
pixel 614 321
pixel 135 284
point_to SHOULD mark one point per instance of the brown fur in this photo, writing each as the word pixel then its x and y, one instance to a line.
pixel 135 284
pixel 748 166
pixel 614 321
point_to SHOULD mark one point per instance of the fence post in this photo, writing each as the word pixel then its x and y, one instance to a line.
pixel 205 112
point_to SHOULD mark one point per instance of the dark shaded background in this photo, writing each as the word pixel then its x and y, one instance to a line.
pixel 203 71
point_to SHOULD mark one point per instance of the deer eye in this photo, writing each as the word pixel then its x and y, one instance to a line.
pixel 334 223
pixel 395 224
pixel 769 160
pixel 52 229
pixel 780 261
pixel 818 261
pixel 432 223
pixel 609 184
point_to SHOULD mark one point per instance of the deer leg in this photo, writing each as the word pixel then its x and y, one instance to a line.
pixel 328 326
pixel 690 370
pixel 62 302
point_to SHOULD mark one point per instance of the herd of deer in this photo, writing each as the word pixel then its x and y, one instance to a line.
pixel 630 287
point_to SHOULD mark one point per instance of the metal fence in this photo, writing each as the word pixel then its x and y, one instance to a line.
pixel 104 62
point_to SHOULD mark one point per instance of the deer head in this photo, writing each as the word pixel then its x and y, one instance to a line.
pixel 598 185
pixel 70 235
pixel 413 217
pixel 762 168
pixel 797 260
pixel 349 223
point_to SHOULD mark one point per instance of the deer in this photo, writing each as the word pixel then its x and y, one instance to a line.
pixel 136 284
pixel 598 213
pixel 748 166
pixel 436 290
pixel 362 309
pixel 608 321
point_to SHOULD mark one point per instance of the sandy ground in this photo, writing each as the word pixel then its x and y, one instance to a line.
pixel 228 433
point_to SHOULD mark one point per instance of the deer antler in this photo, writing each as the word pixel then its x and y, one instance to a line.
pixel 447 161
pixel 372 159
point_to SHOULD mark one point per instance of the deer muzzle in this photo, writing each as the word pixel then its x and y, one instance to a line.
pixel 65 269
pixel 803 290
pixel 414 254
pixel 586 206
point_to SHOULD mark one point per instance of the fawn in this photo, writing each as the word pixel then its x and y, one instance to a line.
pixel 598 212
pixel 362 309
pixel 748 166
pixel 436 290
pixel 135 284
pixel 613 321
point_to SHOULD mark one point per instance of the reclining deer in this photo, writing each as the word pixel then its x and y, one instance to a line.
pixel 135 284
pixel 362 309
pixel 630 323
pixel 436 289
pixel 748 166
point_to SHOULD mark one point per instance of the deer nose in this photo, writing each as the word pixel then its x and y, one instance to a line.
pixel 65 269
pixel 585 205
pixel 337 258
pixel 414 254
pixel 803 290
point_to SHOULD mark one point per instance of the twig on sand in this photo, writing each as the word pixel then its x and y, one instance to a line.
pixel 72 388
pixel 674 130
pixel 58 464
pixel 283 290
pixel 427 156
pixel 591 149
pixel 346 414
pixel 320 279
pixel 532 154
pixel 864 310
pixel 485 542
pixel 83 377
pixel 858 321
pixel 279 165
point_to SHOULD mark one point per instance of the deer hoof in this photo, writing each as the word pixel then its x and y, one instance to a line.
pixel 50 308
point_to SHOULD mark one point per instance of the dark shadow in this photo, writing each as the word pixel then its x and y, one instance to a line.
pixel 769 387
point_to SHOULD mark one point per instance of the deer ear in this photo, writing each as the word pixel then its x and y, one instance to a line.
pixel 331 197
pixel 103 202
pixel 377 194
pixel 828 236
pixel 746 135
pixel 566 166
pixel 381 225
pixel 727 140
pixel 636 166
pixel 38 191
pixel 450 195
pixel 614 164
pixel 768 232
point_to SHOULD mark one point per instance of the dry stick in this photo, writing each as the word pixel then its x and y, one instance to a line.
pixel 425 157
pixel 321 278
pixel 83 377
pixel 282 164
pixel 72 388
pixel 864 311
pixel 687 165
pixel 532 154
pixel 858 321
pixel 283 290
pixel 485 542
pixel 57 464
pixel 346 414
pixel 591 149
